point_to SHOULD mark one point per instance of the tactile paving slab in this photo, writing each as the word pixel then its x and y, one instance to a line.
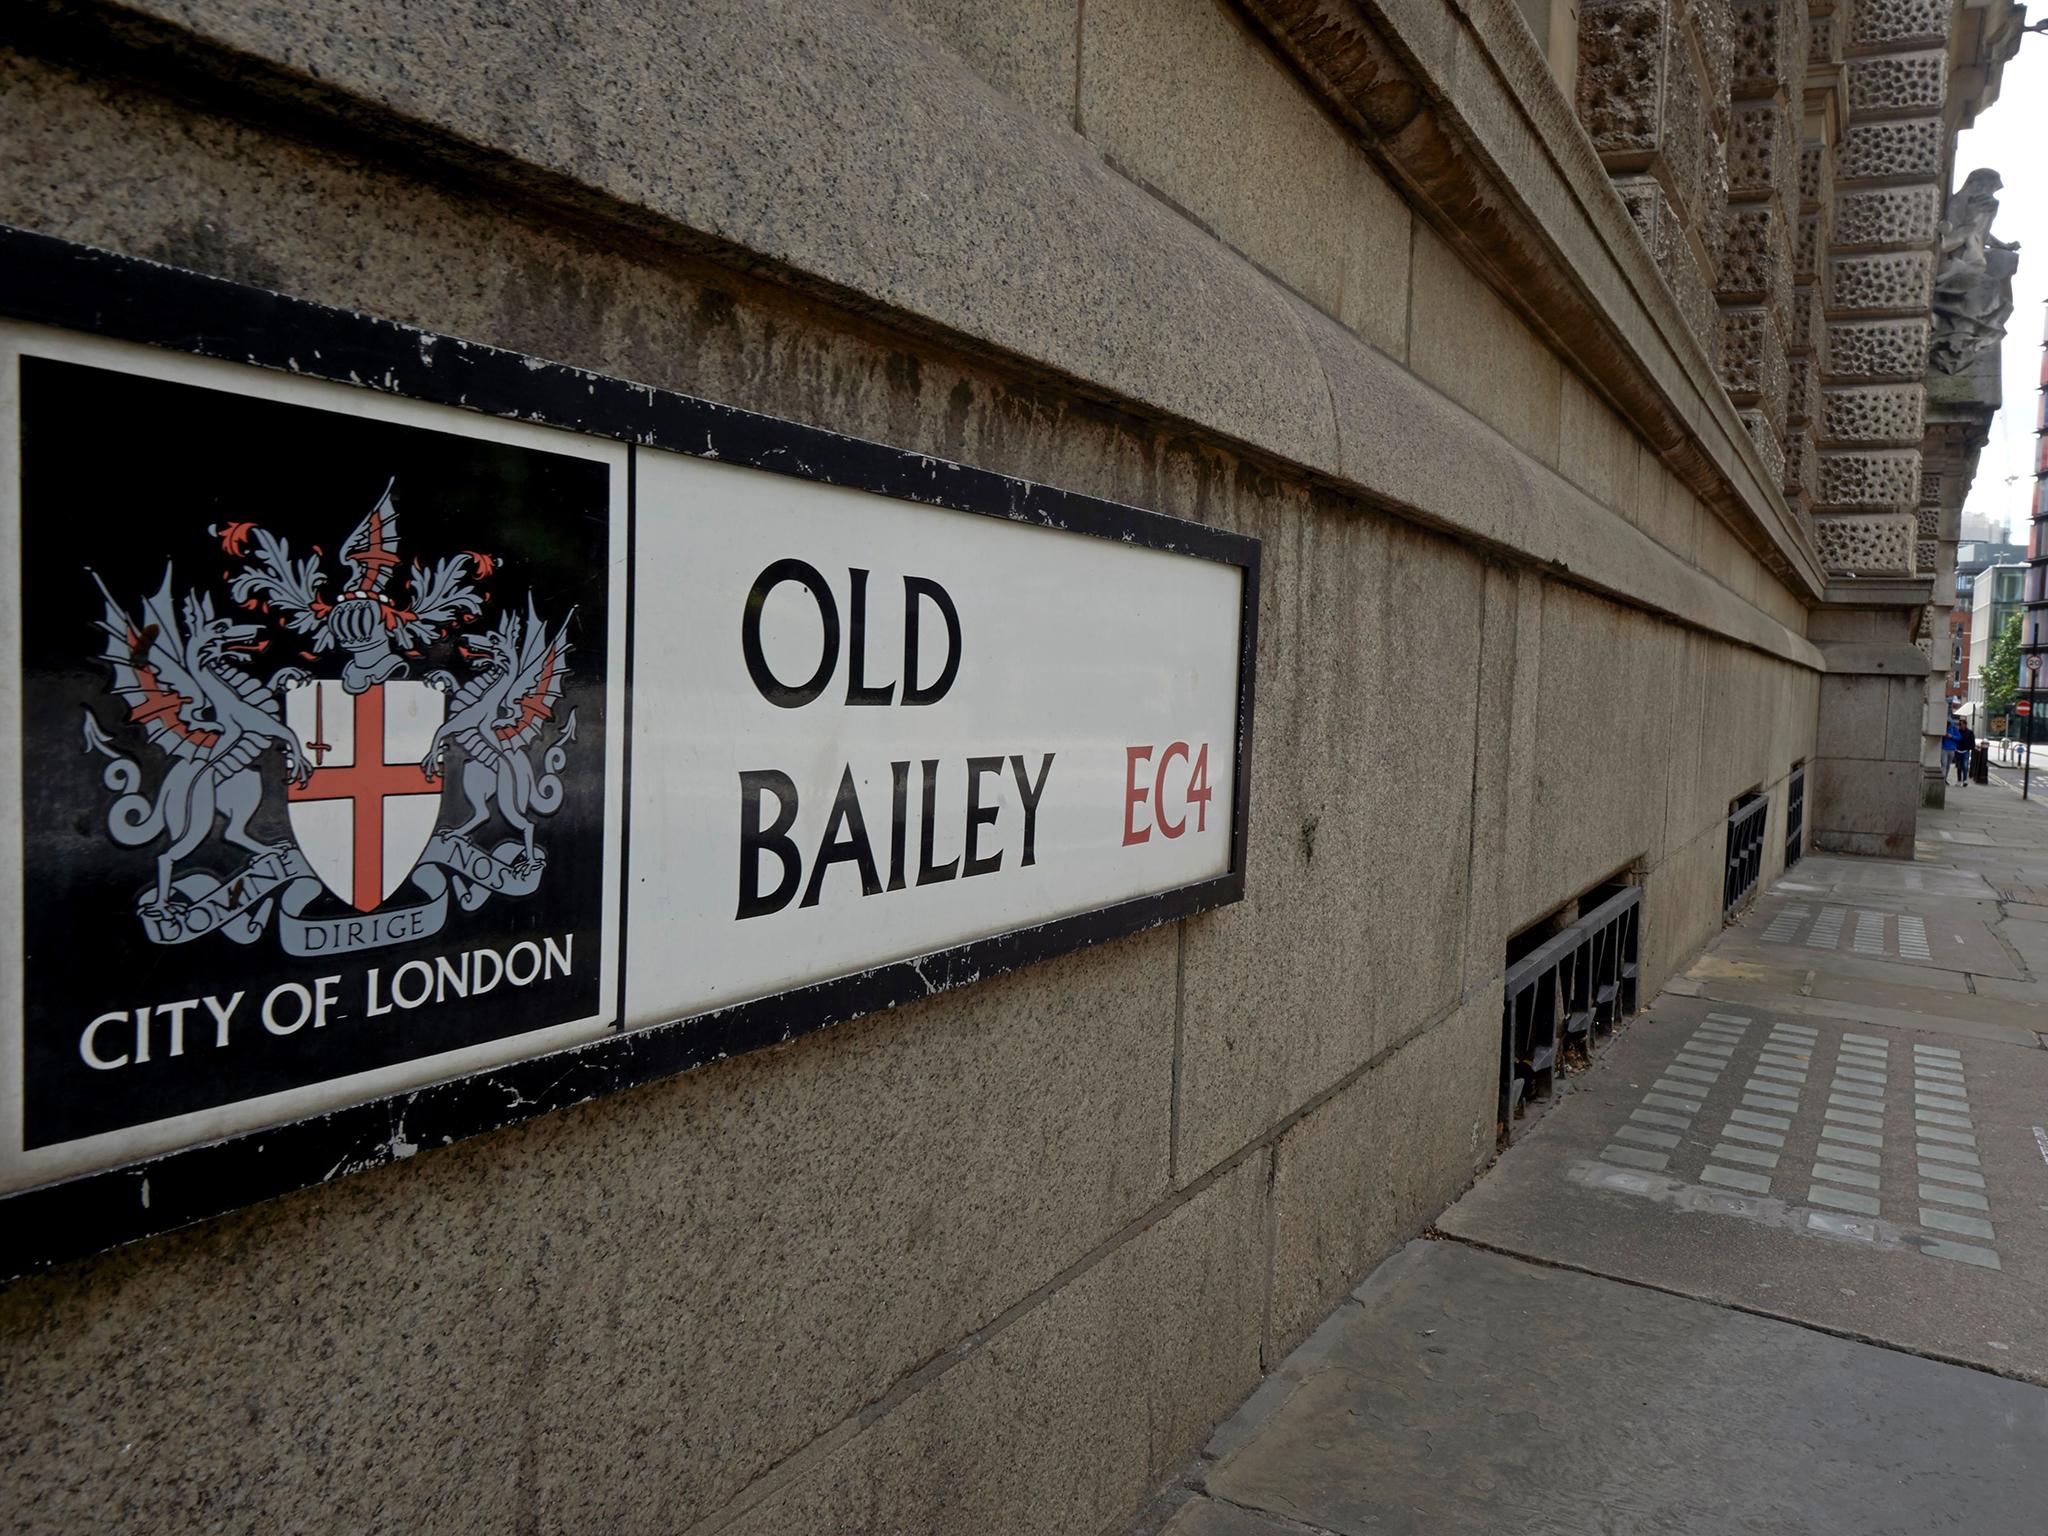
pixel 1883 1182
pixel 1866 932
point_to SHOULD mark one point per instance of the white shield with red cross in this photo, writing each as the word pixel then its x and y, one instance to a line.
pixel 364 816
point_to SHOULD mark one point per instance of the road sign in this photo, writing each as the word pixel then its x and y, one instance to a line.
pixel 2023 708
pixel 348 829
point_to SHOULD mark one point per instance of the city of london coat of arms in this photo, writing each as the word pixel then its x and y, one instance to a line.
pixel 298 676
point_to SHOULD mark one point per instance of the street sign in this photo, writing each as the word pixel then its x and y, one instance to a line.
pixel 2023 708
pixel 339 831
pixel 347 818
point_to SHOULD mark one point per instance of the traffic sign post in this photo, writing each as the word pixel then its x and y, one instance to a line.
pixel 2026 709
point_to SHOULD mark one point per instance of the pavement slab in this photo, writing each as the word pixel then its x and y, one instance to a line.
pixel 1882 1104
pixel 1775 1261
pixel 1462 1391
pixel 1899 930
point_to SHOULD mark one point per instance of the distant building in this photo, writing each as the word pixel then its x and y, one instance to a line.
pixel 1957 688
pixel 2034 632
pixel 1973 558
pixel 1995 596
pixel 1978 528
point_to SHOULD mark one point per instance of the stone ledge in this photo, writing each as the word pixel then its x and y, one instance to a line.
pixel 1508 176
pixel 1873 658
pixel 1399 436
pixel 616 130
pixel 1878 592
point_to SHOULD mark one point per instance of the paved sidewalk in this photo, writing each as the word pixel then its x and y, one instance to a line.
pixel 1777 1262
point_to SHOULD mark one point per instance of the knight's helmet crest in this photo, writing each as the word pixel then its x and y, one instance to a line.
pixel 364 617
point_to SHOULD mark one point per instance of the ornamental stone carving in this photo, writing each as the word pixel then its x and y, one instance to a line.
pixel 1802 387
pixel 1877 349
pixel 1876 478
pixel 1823 46
pixel 1663 231
pixel 1639 98
pixel 1770 446
pixel 1805 330
pixel 1801 475
pixel 1714 22
pixel 1762 148
pixel 1883 413
pixel 1753 361
pixel 1973 277
pixel 1887 216
pixel 1812 169
pixel 1770 40
pixel 1806 248
pixel 1879 22
pixel 1622 52
pixel 1897 281
pixel 1756 262
pixel 1900 82
pixel 1908 148
pixel 1879 545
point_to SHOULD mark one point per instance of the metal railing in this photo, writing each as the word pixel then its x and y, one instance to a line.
pixel 1565 993
pixel 1745 851
pixel 1795 814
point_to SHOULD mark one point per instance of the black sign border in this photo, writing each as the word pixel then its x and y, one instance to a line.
pixel 52 282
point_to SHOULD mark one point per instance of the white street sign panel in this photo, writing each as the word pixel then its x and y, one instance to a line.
pixel 968 726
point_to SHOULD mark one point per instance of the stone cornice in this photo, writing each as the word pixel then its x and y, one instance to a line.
pixel 1880 592
pixel 1874 658
pixel 1459 108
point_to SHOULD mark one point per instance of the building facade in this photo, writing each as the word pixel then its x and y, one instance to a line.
pixel 2034 635
pixel 1973 558
pixel 1602 385
pixel 1998 593
pixel 1957 687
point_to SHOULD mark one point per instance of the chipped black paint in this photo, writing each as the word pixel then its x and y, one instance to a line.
pixel 52 282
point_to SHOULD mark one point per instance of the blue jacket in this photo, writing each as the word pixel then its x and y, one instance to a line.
pixel 1950 737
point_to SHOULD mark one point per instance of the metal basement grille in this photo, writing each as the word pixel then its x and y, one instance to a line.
pixel 1565 992
pixel 1745 851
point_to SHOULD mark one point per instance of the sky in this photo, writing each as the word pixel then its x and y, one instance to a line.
pixel 2010 137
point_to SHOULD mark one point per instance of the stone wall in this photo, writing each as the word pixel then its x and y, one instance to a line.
pixel 1888 192
pixel 997 1261
pixel 1791 157
pixel 1827 126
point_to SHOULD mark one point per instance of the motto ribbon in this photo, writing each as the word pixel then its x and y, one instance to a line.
pixel 240 906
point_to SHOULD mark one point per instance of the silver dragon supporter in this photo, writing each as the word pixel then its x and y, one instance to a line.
pixel 189 689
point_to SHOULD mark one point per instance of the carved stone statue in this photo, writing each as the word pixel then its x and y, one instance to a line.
pixel 1973 271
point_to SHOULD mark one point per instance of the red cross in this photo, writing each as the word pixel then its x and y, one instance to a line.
pixel 373 557
pixel 366 783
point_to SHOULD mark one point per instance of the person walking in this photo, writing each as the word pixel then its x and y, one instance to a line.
pixel 1966 747
pixel 1948 744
